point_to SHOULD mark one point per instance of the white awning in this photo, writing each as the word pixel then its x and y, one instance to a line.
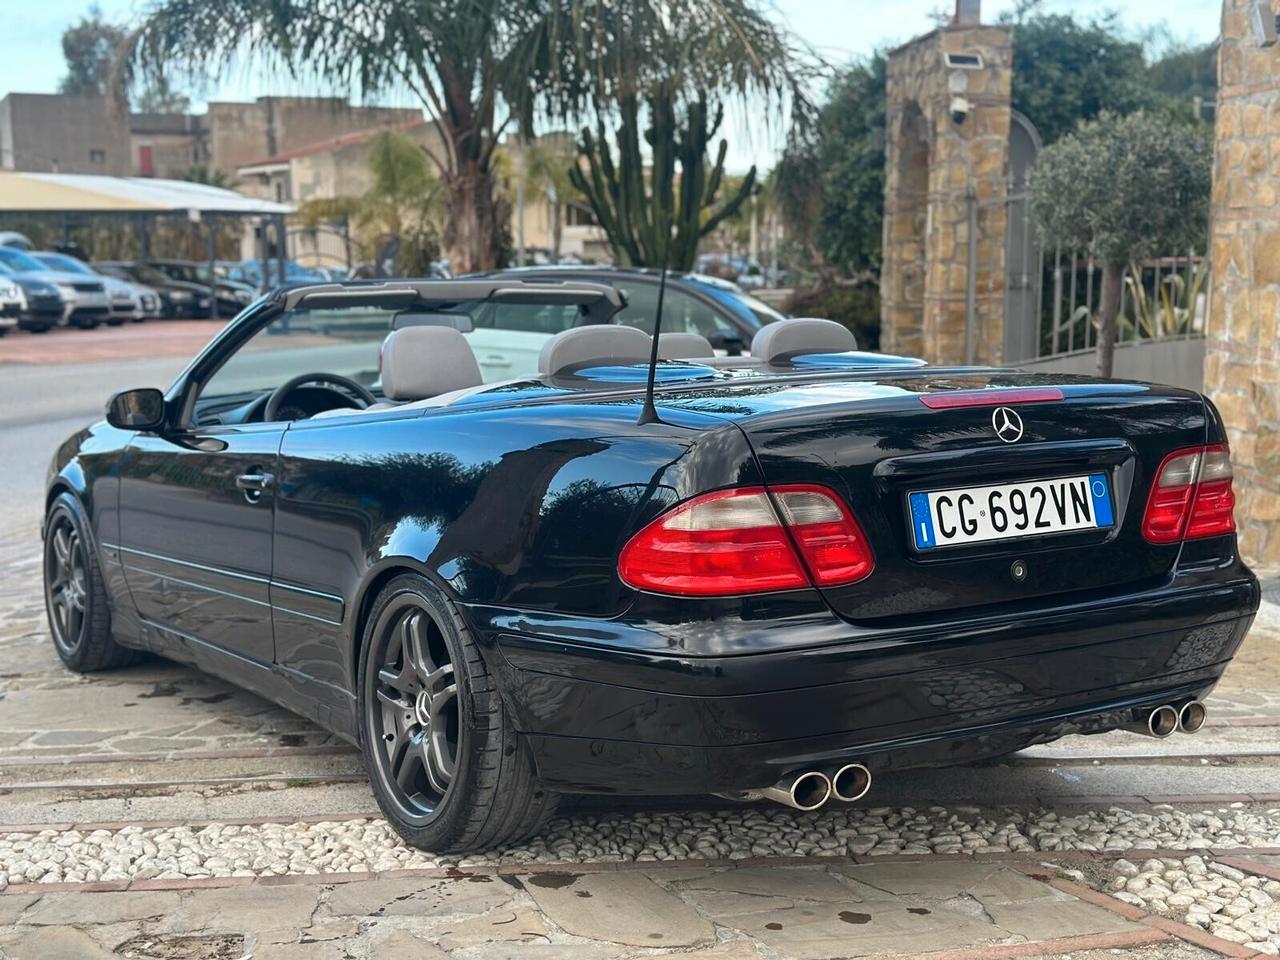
pixel 89 193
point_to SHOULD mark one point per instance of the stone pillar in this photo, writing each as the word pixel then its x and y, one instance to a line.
pixel 933 163
pixel 1242 356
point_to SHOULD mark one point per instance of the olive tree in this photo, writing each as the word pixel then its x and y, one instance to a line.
pixel 1123 189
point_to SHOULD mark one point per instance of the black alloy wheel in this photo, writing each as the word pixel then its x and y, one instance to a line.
pixel 416 722
pixel 447 767
pixel 75 596
pixel 66 584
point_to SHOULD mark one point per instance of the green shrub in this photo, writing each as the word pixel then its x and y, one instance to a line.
pixel 857 307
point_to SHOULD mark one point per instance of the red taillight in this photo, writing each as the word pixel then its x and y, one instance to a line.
pixel 733 542
pixel 1191 497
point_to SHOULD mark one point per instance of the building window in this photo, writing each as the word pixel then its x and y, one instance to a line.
pixel 577 215
pixel 97 156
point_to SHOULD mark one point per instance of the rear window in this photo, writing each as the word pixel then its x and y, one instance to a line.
pixel 527 318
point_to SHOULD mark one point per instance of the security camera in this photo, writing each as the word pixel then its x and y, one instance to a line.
pixel 960 109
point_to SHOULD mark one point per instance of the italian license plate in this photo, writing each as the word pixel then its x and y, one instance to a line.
pixel 944 518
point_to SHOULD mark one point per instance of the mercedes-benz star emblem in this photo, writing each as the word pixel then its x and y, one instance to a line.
pixel 1007 424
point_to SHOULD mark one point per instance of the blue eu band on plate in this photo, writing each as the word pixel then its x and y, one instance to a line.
pixel 1033 508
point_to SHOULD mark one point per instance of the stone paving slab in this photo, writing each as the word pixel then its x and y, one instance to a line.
pixel 626 908
pixel 817 913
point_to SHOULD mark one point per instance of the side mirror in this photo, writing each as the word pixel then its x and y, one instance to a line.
pixel 141 409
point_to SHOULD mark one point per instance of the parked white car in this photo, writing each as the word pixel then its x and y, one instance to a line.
pixel 13 303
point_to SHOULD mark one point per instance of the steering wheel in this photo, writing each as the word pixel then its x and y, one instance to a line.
pixel 278 395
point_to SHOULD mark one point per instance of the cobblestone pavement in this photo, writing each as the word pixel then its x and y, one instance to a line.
pixel 144 813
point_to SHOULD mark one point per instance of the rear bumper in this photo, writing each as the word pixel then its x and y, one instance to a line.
pixel 602 719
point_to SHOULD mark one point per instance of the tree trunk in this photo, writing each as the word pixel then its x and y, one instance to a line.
pixel 471 228
pixel 1112 284
pixel 557 229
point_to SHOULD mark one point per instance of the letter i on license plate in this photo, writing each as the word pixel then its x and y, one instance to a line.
pixel 943 518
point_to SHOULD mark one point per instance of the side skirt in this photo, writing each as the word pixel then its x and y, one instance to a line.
pixel 328 705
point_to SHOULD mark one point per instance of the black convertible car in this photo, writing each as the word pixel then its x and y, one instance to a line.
pixel 794 571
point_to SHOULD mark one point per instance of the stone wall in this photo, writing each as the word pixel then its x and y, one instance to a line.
pixel 1242 359
pixel 244 133
pixel 55 133
pixel 932 164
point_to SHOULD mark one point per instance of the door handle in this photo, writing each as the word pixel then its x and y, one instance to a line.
pixel 253 484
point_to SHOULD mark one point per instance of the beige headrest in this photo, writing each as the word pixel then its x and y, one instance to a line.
pixel 684 346
pixel 422 362
pixel 781 340
pixel 603 343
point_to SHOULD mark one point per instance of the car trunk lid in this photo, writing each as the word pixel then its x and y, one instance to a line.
pixel 879 442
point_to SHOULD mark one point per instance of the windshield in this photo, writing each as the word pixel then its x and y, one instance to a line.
pixel 19 260
pixel 148 274
pixel 344 340
pixel 190 272
pixel 755 312
pixel 60 261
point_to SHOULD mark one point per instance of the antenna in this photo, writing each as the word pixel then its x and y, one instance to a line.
pixel 649 413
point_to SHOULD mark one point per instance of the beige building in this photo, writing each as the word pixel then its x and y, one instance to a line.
pixel 53 133
pixel 331 167
pixel 240 133
pixel 339 166
pixel 56 133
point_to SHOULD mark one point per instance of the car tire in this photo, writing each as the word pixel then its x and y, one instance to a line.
pixel 116 323
pixel 415 647
pixel 74 593
pixel 41 329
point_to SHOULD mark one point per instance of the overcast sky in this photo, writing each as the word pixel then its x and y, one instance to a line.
pixel 838 29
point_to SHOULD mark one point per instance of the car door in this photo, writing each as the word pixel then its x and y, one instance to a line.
pixel 682 312
pixel 196 522
pixel 508 337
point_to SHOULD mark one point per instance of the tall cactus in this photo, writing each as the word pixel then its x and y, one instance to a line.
pixel 659 218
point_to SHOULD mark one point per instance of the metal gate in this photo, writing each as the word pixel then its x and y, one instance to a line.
pixel 1024 256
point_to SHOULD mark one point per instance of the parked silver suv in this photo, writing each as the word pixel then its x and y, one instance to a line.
pixel 85 297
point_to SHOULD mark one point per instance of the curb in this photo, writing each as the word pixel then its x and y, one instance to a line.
pixel 1043 948
pixel 1175 928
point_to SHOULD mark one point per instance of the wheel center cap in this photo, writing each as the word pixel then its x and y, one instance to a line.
pixel 422 708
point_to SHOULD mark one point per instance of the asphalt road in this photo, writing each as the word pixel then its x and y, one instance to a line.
pixel 41 405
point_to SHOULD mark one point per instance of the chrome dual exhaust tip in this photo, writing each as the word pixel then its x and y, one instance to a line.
pixel 851 782
pixel 1162 722
pixel 1165 721
pixel 1192 716
pixel 802 791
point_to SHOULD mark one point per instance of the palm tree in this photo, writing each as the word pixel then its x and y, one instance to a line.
pixel 474 67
